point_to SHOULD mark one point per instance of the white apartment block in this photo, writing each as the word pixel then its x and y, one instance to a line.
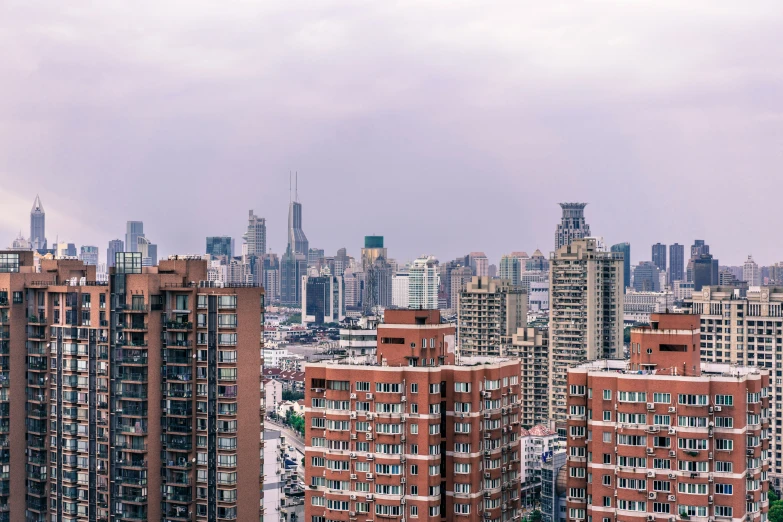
pixel 639 305
pixel 585 313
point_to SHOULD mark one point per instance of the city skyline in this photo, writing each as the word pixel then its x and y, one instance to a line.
pixel 680 97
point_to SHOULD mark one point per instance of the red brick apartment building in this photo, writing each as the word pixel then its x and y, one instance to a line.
pixel 664 437
pixel 415 436
pixel 129 400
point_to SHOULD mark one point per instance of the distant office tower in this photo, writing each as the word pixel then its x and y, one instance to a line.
pixel 38 225
pixel 676 262
pixel 704 271
pixel 271 277
pixel 538 296
pixel 219 246
pixel 353 288
pixel 523 259
pixel 341 261
pixel 255 237
pixel 572 225
pixel 315 257
pixel 646 277
pixel 531 345
pixel 423 284
pixel 106 384
pixel 323 299
pixel 751 273
pixel 510 269
pixel 400 290
pixel 393 452
pixel 698 249
pixel 537 262
pixel 115 245
pixel 66 250
pixel 89 254
pixel 659 256
pixel 678 467
pixel 493 271
pixel 727 278
pixel 479 263
pixel 585 313
pixel 148 251
pixel 373 249
pixel 292 268
pixel 297 240
pixel 625 249
pixel 490 311
pixel 460 276
pixel 133 230
pixel 377 274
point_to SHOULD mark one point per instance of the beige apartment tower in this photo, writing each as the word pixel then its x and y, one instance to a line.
pixel 489 312
pixel 585 313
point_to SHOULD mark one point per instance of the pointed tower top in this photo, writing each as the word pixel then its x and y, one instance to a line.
pixel 37 206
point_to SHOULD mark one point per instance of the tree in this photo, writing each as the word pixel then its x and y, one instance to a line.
pixel 291 395
pixel 535 516
pixel 297 422
pixel 773 497
pixel 776 511
pixel 293 319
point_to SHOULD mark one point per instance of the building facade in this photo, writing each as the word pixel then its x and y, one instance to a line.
pixel 666 437
pixel 400 290
pixel 423 283
pixel 572 224
pixel 676 262
pixel 415 436
pixel 38 225
pixel 323 299
pixel 639 306
pixel 585 313
pixel 133 388
pixel 115 245
pixel 220 246
pixel 625 249
pixel 646 277
pixel 511 269
pixel 659 256
pixel 133 230
pixel 89 255
pixel 479 263
pixel 489 313
pixel 531 345
pixel 751 273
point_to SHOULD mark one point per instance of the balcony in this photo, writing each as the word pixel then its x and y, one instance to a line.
pixel 178 443
pixel 183 326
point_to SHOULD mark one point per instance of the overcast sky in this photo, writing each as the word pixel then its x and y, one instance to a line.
pixel 447 127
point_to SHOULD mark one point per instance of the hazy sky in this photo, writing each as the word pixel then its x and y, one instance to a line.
pixel 445 126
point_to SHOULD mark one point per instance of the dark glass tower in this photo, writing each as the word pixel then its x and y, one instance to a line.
pixel 659 256
pixel 625 249
pixel 676 262
pixel 38 225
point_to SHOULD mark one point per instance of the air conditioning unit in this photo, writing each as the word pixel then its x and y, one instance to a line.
pixel 403 418
pixel 369 496
pixel 403 399
pixel 353 476
pixel 402 438
pixel 710 409
pixel 353 455
pixel 402 480
pixel 487 453
pixel 672 453
pixel 353 497
pixel 672 409
pixel 651 518
pixel 368 396
pixel 353 414
pixel 672 498
pixel 650 473
pixel 503 470
pixel 709 499
pixel 370 456
pixel 353 436
pixel 652 495
pixel 368 436
pixel 487 494
pixel 402 459
pixel 710 455
pixel 353 396
pixel 717 408
pixel 672 475
pixel 487 416
pixel 711 478
pixel 369 416
pixel 487 435
pixel 649 451
pixel 369 476
pixel 352 513
pixel 486 475
pixel 672 431
pixel 402 501
pixel 650 406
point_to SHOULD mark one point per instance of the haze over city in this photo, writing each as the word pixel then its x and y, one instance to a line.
pixel 444 127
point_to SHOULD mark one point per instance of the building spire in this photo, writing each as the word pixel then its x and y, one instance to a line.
pixel 37 205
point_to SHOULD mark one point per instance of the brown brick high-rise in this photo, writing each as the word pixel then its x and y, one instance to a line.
pixel 142 395
pixel 665 437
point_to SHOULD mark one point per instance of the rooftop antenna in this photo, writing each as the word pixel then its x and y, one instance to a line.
pixel 289 186
pixel 296 187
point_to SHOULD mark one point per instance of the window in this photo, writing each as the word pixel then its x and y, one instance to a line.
pixel 414 469
pixel 606 480
pixel 435 388
pixel 661 485
pixel 338 385
pixel 724 467
pixel 724 444
pixel 724 422
pixel 577 390
pixel 414 429
pixel 607 415
pixel 724 489
pixel 662 398
pixel 607 395
pixel 660 507
pixel 632 505
pixel 607 436
pixel 631 396
pixel 692 400
pixel 693 511
pixel 662 420
pixel 461 509
pixel 463 387
pixel 631 440
pixel 662 464
pixel 414 511
pixel 692 489
pixel 414 388
pixel 692 444
pixel 362 386
pixel 459 468
pixel 387 387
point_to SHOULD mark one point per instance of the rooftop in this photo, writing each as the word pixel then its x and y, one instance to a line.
pixel 708 369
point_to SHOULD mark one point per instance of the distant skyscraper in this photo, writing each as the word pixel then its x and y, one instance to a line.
pixel 479 263
pixel 323 299
pixel 133 230
pixel 297 240
pixel 751 273
pixel 705 271
pixel 220 246
pixel 572 225
pixel 423 284
pixel 38 225
pixel 676 262
pixel 510 269
pixel 341 261
pixel 89 254
pixel 659 256
pixel 292 268
pixel 625 249
pixel 148 250
pixel 646 277
pixel 115 245
pixel 255 237
pixel 400 290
